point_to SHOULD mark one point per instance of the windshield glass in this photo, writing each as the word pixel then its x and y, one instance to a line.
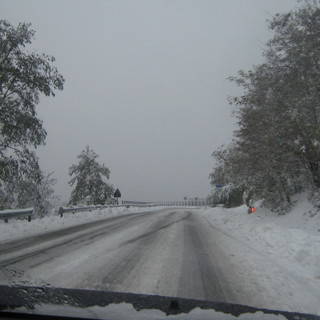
pixel 165 148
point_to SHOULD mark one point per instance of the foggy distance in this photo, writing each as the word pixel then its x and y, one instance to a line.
pixel 146 85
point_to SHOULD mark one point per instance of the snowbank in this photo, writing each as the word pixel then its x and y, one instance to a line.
pixel 16 229
pixel 279 255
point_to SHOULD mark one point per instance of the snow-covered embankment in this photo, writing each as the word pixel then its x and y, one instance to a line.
pixel 277 257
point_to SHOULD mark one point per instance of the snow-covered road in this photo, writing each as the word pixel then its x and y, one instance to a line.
pixel 166 252
pixel 210 254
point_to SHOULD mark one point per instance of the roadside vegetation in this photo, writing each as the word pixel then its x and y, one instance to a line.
pixel 275 152
pixel 24 77
pixel 89 177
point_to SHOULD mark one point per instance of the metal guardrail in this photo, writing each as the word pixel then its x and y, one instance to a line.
pixel 63 210
pixel 185 203
pixel 15 213
pixel 138 204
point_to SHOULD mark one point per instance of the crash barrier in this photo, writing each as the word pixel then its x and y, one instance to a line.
pixel 186 203
pixel 16 213
pixel 138 204
pixel 63 210
pixel 183 203
pixel 126 203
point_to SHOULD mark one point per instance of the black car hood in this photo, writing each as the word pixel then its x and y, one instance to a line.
pixel 21 303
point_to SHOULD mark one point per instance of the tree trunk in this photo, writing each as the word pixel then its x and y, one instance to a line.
pixel 314 167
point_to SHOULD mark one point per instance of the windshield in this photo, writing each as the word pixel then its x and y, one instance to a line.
pixel 163 148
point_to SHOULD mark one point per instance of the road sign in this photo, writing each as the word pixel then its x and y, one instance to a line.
pixel 117 194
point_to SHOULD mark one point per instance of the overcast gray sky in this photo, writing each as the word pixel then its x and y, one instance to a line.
pixel 146 85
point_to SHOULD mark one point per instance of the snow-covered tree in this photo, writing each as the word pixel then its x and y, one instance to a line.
pixel 24 76
pixel 276 150
pixel 45 199
pixel 89 180
pixel 30 193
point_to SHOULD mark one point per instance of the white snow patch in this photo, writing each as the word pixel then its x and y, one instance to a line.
pixel 278 257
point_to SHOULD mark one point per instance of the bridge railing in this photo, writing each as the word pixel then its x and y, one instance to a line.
pixel 186 203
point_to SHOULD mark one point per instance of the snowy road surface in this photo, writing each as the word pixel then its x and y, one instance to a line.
pixel 212 254
pixel 168 252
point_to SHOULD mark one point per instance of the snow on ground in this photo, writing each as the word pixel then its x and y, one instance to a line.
pixel 278 255
pixel 17 229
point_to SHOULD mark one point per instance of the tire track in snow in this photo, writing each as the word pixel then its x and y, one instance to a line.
pixel 166 253
pixel 20 250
